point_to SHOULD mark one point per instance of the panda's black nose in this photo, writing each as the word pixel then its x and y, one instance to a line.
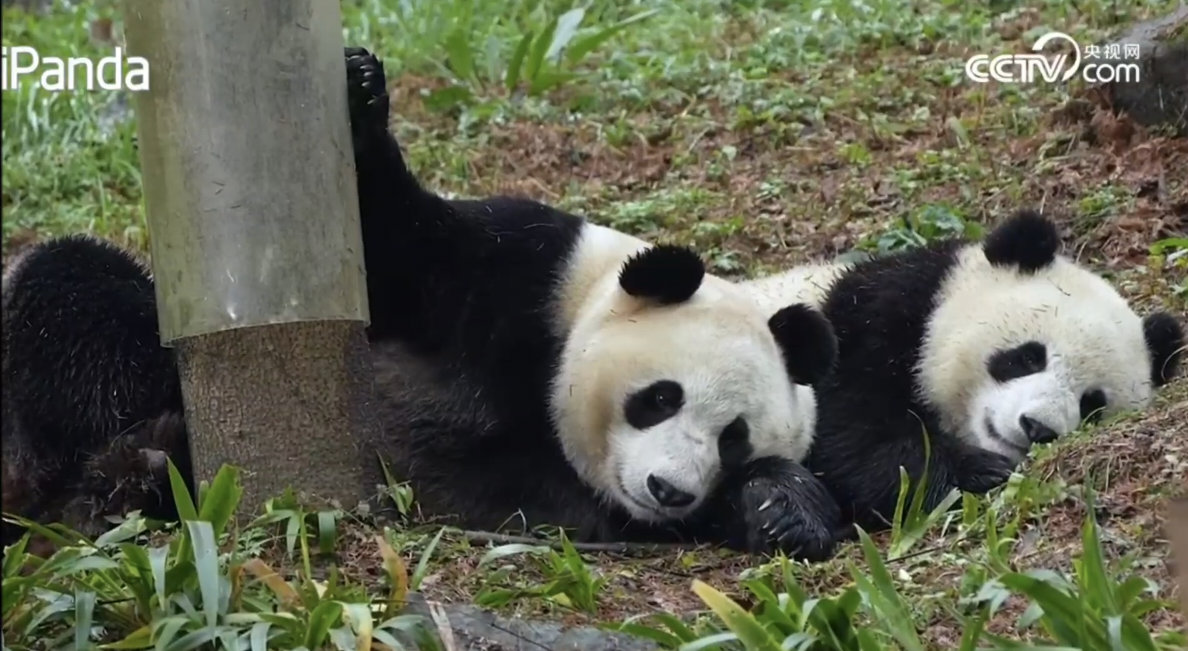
pixel 1036 431
pixel 667 494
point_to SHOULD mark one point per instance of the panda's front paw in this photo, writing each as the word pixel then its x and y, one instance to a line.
pixel 367 95
pixel 979 471
pixel 785 508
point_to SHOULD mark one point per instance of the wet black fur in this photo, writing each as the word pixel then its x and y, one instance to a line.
pixel 870 421
pixel 462 345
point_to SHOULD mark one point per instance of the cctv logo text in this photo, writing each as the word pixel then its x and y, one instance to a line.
pixel 1028 68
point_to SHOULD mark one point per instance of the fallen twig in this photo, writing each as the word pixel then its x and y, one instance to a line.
pixel 626 548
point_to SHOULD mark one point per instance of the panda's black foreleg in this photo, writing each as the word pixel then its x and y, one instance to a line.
pixel 368 103
pixel 860 464
pixel 979 471
pixel 775 504
pixel 403 238
pixel 453 278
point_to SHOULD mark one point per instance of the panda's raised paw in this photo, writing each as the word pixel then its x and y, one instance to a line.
pixel 367 94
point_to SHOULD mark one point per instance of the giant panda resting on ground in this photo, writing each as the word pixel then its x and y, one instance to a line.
pixel 658 369
pixel 988 347
pixel 529 363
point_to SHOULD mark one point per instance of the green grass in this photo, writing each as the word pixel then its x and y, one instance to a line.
pixel 763 132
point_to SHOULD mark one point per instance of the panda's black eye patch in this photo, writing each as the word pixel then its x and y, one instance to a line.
pixel 1093 403
pixel 653 404
pixel 1017 362
pixel 734 443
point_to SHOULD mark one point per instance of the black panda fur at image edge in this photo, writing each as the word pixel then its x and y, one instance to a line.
pixel 988 347
pixel 532 368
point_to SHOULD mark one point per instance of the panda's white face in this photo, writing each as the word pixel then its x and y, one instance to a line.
pixel 1014 359
pixel 657 402
pixel 653 399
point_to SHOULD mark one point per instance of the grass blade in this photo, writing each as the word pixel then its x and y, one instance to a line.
pixel 567 26
pixel 206 563
pixel 221 499
pixel 536 55
pixel 584 46
pixel 423 563
pixel 84 613
pixel 884 599
pixel 515 66
pixel 324 616
pixel 742 623
pixel 397 575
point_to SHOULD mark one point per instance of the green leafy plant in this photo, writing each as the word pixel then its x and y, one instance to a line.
pixel 794 619
pixel 929 224
pixel 569 581
pixel 540 61
pixel 1173 252
pixel 1092 608
pixel 131 593
pixel 909 526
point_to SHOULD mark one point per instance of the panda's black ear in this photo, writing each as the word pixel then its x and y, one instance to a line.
pixel 664 273
pixel 1165 342
pixel 1027 240
pixel 807 340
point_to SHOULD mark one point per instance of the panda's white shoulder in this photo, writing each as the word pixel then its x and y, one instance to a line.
pixel 808 283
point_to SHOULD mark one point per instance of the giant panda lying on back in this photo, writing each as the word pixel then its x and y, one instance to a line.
pixel 530 365
pixel 988 347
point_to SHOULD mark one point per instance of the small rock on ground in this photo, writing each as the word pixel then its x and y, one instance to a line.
pixel 475 629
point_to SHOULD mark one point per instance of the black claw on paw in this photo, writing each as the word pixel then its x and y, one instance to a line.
pixel 786 509
pixel 156 462
pixel 788 530
pixel 367 95
pixel 981 471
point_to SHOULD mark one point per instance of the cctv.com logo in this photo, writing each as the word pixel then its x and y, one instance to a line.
pixel 1028 68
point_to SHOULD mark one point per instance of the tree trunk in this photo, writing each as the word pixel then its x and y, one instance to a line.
pixel 253 220
pixel 1160 95
pixel 289 403
pixel 1177 530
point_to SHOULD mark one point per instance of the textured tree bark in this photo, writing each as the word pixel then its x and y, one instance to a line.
pixel 290 404
pixel 1160 95
pixel 1177 529
pixel 252 211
